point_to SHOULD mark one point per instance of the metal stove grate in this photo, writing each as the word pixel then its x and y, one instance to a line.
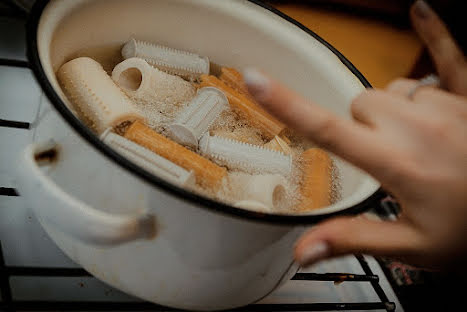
pixel 8 304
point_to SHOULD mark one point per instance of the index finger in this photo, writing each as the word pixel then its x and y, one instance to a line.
pixel 446 54
pixel 350 140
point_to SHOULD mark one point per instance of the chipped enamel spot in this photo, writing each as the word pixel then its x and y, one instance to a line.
pixel 157 94
pixel 198 116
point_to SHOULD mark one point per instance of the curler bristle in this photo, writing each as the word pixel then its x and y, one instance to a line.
pixel 243 156
pixel 172 61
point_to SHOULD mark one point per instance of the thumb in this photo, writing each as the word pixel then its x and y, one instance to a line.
pixel 346 235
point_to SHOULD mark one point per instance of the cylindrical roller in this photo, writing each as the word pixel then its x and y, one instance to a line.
pixel 156 93
pixel 317 179
pixel 268 189
pixel 246 107
pixel 94 95
pixel 198 116
pixel 150 161
pixel 133 76
pixel 245 157
pixel 207 173
pixel 177 62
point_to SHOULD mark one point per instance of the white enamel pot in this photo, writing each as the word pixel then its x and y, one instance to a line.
pixel 129 228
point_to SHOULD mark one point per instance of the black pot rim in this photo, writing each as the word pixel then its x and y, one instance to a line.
pixel 200 201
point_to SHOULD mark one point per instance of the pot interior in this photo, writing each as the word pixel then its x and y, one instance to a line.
pixel 235 33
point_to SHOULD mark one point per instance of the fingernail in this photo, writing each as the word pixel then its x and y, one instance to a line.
pixel 422 9
pixel 258 84
pixel 314 253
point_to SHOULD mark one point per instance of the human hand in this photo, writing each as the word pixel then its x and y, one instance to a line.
pixel 416 147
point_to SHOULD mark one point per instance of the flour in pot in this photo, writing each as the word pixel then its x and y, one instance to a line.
pixel 169 114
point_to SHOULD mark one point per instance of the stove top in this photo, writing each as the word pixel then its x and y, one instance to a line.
pixel 36 275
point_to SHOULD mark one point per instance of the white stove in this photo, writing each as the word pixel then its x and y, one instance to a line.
pixel 36 275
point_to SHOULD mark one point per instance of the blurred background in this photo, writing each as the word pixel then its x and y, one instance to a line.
pixel 375 35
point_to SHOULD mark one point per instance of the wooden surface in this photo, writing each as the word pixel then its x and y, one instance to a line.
pixel 380 51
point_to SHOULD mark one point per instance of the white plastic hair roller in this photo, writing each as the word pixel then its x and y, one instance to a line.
pixel 150 161
pixel 94 95
pixel 155 92
pixel 198 116
pixel 177 62
pixel 149 85
pixel 133 76
pixel 269 190
pixel 244 156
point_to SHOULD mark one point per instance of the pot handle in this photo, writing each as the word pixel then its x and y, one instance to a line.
pixel 72 216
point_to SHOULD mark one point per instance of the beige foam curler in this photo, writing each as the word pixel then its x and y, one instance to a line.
pixel 154 92
pixel 94 95
pixel 143 82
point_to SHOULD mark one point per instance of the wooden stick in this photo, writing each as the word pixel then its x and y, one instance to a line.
pixel 278 144
pixel 317 180
pixel 207 173
pixel 234 79
pixel 99 102
pixel 258 117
